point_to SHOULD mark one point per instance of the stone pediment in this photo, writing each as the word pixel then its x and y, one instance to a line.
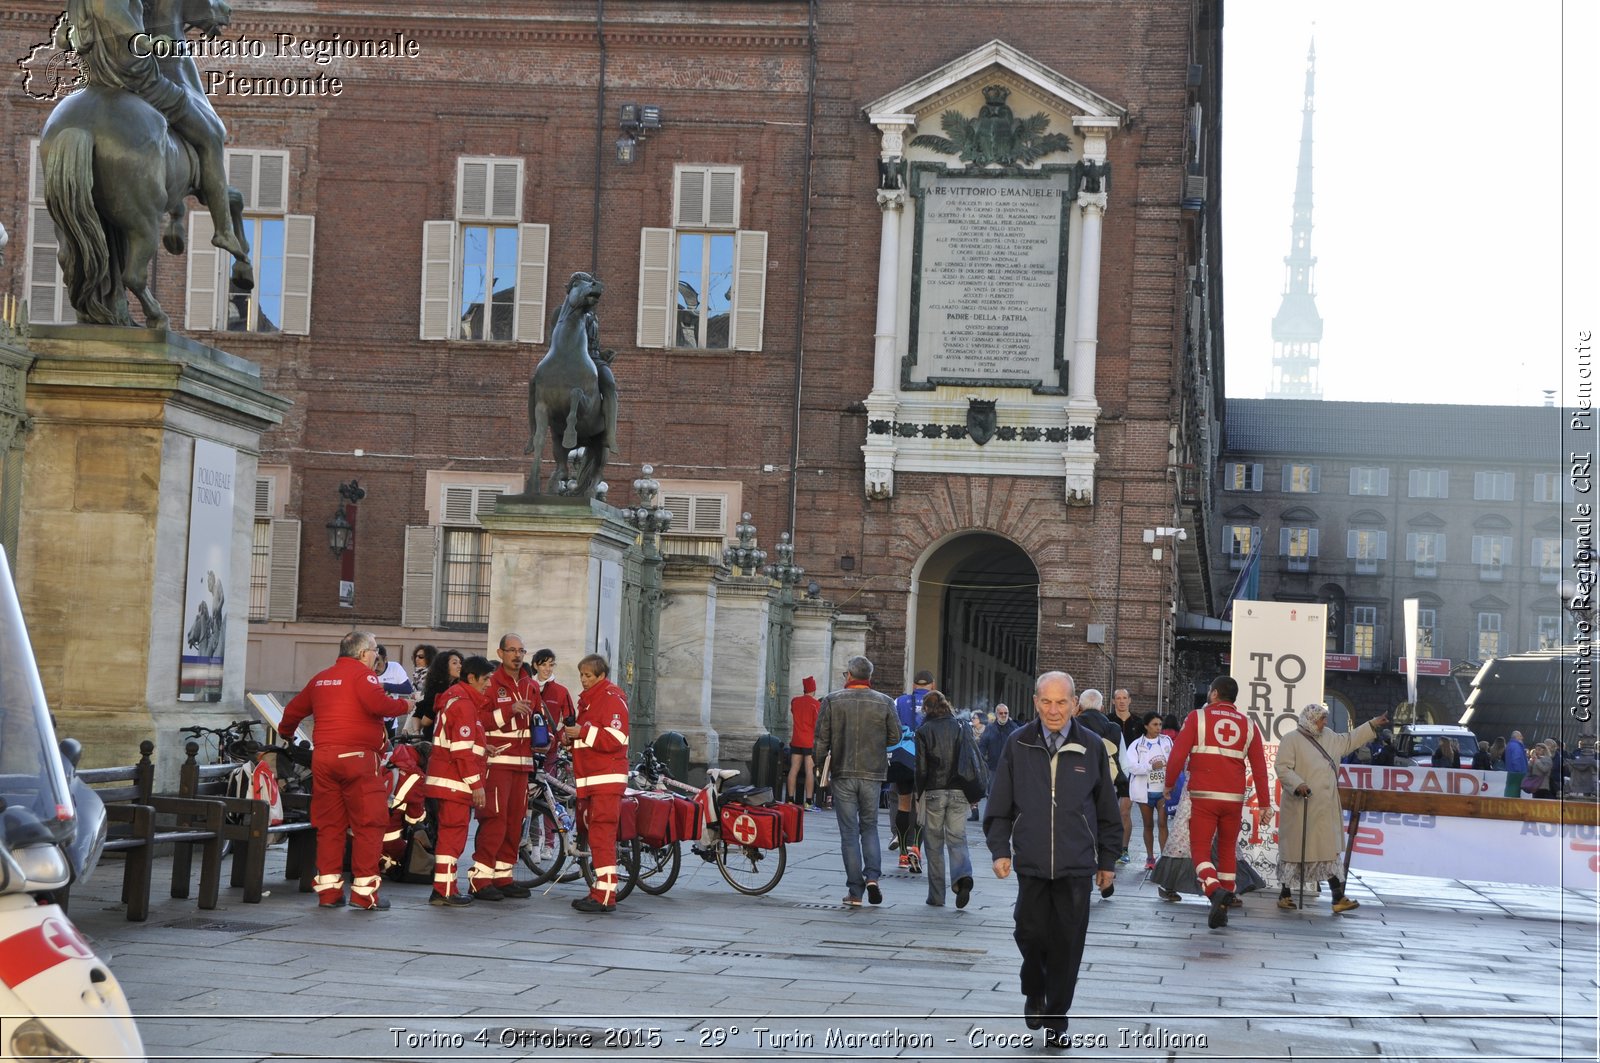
pixel 1241 513
pixel 949 84
pixel 1425 520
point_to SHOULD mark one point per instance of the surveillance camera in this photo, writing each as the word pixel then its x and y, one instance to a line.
pixel 1183 535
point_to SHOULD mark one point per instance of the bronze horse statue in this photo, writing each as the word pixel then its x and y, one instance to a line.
pixel 113 169
pixel 564 397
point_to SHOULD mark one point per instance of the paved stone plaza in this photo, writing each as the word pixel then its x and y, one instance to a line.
pixel 1426 969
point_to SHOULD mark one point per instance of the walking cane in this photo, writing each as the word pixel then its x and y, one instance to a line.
pixel 1305 822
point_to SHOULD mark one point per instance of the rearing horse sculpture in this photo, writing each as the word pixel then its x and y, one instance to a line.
pixel 113 169
pixel 564 397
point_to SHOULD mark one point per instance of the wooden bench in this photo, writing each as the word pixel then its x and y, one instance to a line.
pixel 131 810
pixel 248 827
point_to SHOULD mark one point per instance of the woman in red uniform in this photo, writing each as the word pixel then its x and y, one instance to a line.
pixel 802 738
pixel 600 762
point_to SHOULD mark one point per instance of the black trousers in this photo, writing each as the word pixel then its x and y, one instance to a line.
pixel 1052 920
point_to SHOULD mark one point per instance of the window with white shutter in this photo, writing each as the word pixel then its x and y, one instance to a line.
pixel 46 288
pixel 447 562
pixel 1300 479
pixel 702 508
pixel 1241 476
pixel 1297 546
pixel 275 551
pixel 282 248
pixel 485 273
pixel 1239 541
pixel 1369 481
pixel 702 283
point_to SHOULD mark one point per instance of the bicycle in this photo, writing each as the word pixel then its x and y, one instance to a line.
pixel 234 744
pixel 747 868
pixel 551 836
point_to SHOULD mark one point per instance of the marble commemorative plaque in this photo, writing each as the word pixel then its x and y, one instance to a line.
pixel 989 280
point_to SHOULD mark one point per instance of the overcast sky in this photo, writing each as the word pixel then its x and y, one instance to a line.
pixel 1437 218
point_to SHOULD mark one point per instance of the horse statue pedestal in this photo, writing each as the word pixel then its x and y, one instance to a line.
pixel 104 535
pixel 556 575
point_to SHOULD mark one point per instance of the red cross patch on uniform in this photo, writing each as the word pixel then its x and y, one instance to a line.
pixel 466 732
pixel 616 721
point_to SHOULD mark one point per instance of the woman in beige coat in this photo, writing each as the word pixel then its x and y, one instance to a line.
pixel 1310 827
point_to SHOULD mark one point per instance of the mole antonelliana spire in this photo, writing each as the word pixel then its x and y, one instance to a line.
pixel 1297 327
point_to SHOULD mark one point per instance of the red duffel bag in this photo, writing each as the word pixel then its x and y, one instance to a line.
pixel 794 821
pixel 758 827
pixel 655 820
pixel 628 819
pixel 685 820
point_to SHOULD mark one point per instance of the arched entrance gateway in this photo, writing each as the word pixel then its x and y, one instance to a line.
pixel 973 621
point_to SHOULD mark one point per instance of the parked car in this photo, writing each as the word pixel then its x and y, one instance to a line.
pixel 1414 743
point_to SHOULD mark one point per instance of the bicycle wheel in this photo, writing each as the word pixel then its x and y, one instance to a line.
pixel 658 868
pixel 750 870
pixel 541 850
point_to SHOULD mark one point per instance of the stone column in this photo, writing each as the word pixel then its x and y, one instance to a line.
pixel 546 566
pixel 811 649
pixel 883 402
pixel 103 532
pixel 739 682
pixel 1083 410
pixel 689 587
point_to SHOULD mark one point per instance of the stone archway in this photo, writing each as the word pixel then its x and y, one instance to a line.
pixel 973 620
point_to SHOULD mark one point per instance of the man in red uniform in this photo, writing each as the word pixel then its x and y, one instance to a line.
pixel 557 701
pixel 348 706
pixel 1220 739
pixel 600 762
pixel 802 739
pixel 456 774
pixel 506 715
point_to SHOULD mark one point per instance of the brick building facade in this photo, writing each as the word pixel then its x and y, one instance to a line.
pixel 487 139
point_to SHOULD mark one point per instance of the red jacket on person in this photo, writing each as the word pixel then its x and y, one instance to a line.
pixel 1220 739
pixel 457 765
pixel 600 745
pixel 349 706
pixel 502 727
pixel 804 710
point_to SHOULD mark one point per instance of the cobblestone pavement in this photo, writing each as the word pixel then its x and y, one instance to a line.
pixel 1425 969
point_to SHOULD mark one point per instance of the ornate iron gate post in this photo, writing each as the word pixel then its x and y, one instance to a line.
pixel 644 593
pixel 780 634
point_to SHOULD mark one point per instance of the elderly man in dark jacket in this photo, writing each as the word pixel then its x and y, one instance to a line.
pixel 995 735
pixel 1052 814
pixel 856 726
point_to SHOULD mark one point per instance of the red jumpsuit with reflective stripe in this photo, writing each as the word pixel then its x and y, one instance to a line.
pixel 600 764
pixel 1215 742
pixel 456 767
pixel 557 707
pixel 510 755
pixel 348 706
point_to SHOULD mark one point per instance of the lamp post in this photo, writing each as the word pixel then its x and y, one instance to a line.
pixel 746 558
pixel 652 521
pixel 342 540
pixel 787 575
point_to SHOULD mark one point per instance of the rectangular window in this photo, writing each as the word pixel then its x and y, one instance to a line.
pixel 1547 558
pixel 1367 546
pixel 1364 631
pixel 1430 483
pixel 281 252
pixel 1489 553
pixel 1425 550
pixel 1297 546
pixel 485 271
pixel 1547 487
pixel 260 568
pixel 1300 479
pixel 1488 635
pixel 1427 620
pixel 1241 476
pixel 1369 481
pixel 1493 486
pixel 1238 542
pixel 1549 633
pixel 464 579
pixel 702 283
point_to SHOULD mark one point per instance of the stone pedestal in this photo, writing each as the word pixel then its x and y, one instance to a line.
pixel 555 578
pixel 811 648
pixel 684 654
pixel 103 533
pixel 739 683
pixel 849 640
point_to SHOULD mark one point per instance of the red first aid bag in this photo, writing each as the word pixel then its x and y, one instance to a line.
pixel 628 819
pixel 794 821
pixel 685 820
pixel 655 820
pixel 758 827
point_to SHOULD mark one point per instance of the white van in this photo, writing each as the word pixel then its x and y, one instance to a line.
pixel 1418 741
